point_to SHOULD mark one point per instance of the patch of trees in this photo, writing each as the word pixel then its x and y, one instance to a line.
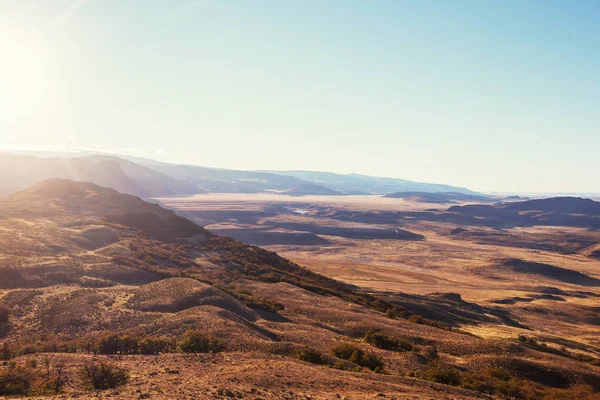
pixel 377 339
pixel 33 378
pixel 354 354
pixel 197 342
pixel 252 301
pixel 112 344
pixel 102 375
pixel 308 354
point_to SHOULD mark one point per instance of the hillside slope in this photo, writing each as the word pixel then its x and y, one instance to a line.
pixel 90 274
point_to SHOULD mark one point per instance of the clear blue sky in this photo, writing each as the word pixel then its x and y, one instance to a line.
pixel 493 95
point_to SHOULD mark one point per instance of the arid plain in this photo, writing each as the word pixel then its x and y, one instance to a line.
pixel 106 295
pixel 492 267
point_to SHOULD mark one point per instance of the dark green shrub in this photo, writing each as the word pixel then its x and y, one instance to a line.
pixel 356 355
pixel 197 342
pixel 371 361
pixel 102 376
pixel 381 341
pixel 155 346
pixel 432 353
pixel 509 390
pixel 308 354
pixel 15 382
pixel 442 374
pixel 344 350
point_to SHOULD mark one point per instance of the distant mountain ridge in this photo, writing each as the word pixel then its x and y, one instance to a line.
pixel 347 183
pixel 148 178
pixel 439 197
pixel 563 205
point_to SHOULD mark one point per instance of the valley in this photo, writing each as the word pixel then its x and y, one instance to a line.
pixel 535 280
pixel 346 297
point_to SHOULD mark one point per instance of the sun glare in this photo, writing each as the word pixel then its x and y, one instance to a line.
pixel 24 77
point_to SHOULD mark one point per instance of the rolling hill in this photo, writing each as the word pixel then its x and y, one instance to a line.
pixel 92 275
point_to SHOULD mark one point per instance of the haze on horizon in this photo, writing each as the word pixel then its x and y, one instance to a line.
pixel 500 96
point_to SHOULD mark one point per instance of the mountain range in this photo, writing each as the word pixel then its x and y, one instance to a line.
pixel 149 178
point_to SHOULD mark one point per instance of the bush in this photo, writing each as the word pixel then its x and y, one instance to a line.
pixel 308 354
pixel 252 301
pixel 371 361
pixel 15 382
pixel 381 341
pixel 102 376
pixel 196 342
pixel 442 374
pixel 495 381
pixel 432 353
pixel 356 355
pixel 155 346
pixel 344 350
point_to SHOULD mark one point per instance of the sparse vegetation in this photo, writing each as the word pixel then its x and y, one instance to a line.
pixel 23 380
pixel 43 280
pixel 308 354
pixel 441 373
pixel 197 342
pixel 252 301
pixel 102 375
pixel 379 340
pixel 15 381
pixel 356 355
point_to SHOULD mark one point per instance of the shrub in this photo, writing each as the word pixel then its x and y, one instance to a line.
pixel 252 301
pixel 15 382
pixel 344 350
pixel 495 381
pixel 371 361
pixel 196 342
pixel 395 313
pixel 308 354
pixel 442 374
pixel 509 390
pixel 155 346
pixel 356 355
pixel 379 340
pixel 102 376
pixel 432 353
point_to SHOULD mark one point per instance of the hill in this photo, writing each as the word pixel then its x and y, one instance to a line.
pixel 154 183
pixel 18 172
pixel 564 205
pixel 306 189
pixel 92 275
pixel 555 211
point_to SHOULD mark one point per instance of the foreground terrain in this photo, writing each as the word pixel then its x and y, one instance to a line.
pixel 97 284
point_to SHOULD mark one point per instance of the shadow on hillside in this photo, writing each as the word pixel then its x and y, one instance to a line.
pixel 548 271
pixel 451 309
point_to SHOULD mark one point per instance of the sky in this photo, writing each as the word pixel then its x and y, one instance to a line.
pixel 492 95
